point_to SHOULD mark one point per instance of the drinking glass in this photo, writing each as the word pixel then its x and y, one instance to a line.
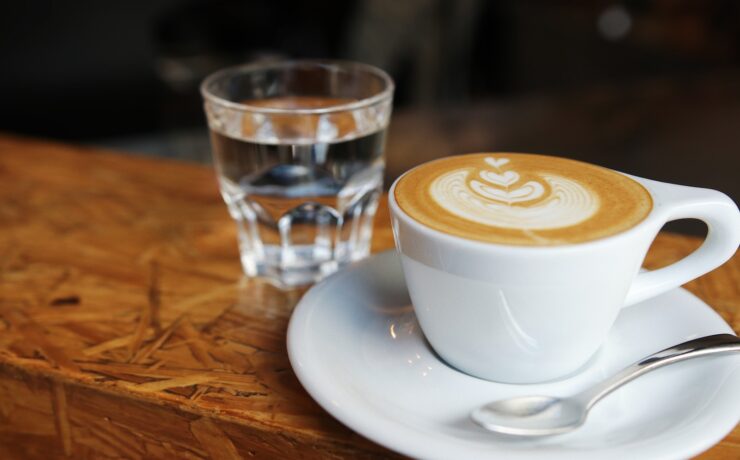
pixel 298 148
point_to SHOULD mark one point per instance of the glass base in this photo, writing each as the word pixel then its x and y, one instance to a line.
pixel 307 264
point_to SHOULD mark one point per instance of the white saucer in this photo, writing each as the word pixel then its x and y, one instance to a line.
pixel 355 345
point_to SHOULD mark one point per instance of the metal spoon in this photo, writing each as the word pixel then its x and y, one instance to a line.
pixel 546 415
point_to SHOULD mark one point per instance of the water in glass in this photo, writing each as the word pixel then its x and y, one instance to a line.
pixel 302 189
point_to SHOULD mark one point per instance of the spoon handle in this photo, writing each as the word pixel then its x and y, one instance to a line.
pixel 711 344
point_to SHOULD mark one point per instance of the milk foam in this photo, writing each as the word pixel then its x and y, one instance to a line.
pixel 498 197
pixel 521 199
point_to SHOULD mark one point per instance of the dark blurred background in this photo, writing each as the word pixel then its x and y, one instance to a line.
pixel 649 87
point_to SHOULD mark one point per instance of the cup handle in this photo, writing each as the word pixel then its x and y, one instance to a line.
pixel 674 202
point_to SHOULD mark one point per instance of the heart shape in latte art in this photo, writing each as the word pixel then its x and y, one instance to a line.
pixel 496 162
pixel 527 192
pixel 504 180
pixel 496 203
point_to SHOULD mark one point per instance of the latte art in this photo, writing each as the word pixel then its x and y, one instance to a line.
pixel 567 203
pixel 522 199
pixel 500 198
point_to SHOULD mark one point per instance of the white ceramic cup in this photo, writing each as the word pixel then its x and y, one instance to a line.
pixel 524 314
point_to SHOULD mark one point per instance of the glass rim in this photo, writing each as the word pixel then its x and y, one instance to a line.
pixel 385 94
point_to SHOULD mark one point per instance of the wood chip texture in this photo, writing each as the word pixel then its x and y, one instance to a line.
pixel 128 331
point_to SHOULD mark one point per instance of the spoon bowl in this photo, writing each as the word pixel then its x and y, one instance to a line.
pixel 531 415
pixel 547 415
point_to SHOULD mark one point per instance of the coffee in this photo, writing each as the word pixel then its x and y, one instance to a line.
pixel 536 307
pixel 522 199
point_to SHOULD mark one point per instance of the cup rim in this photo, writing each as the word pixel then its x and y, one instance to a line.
pixel 384 95
pixel 430 232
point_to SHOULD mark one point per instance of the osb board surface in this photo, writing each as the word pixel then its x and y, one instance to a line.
pixel 127 329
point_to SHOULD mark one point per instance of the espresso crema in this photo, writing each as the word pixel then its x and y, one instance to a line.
pixel 522 199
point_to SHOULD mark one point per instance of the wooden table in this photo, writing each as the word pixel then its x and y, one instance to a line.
pixel 127 330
